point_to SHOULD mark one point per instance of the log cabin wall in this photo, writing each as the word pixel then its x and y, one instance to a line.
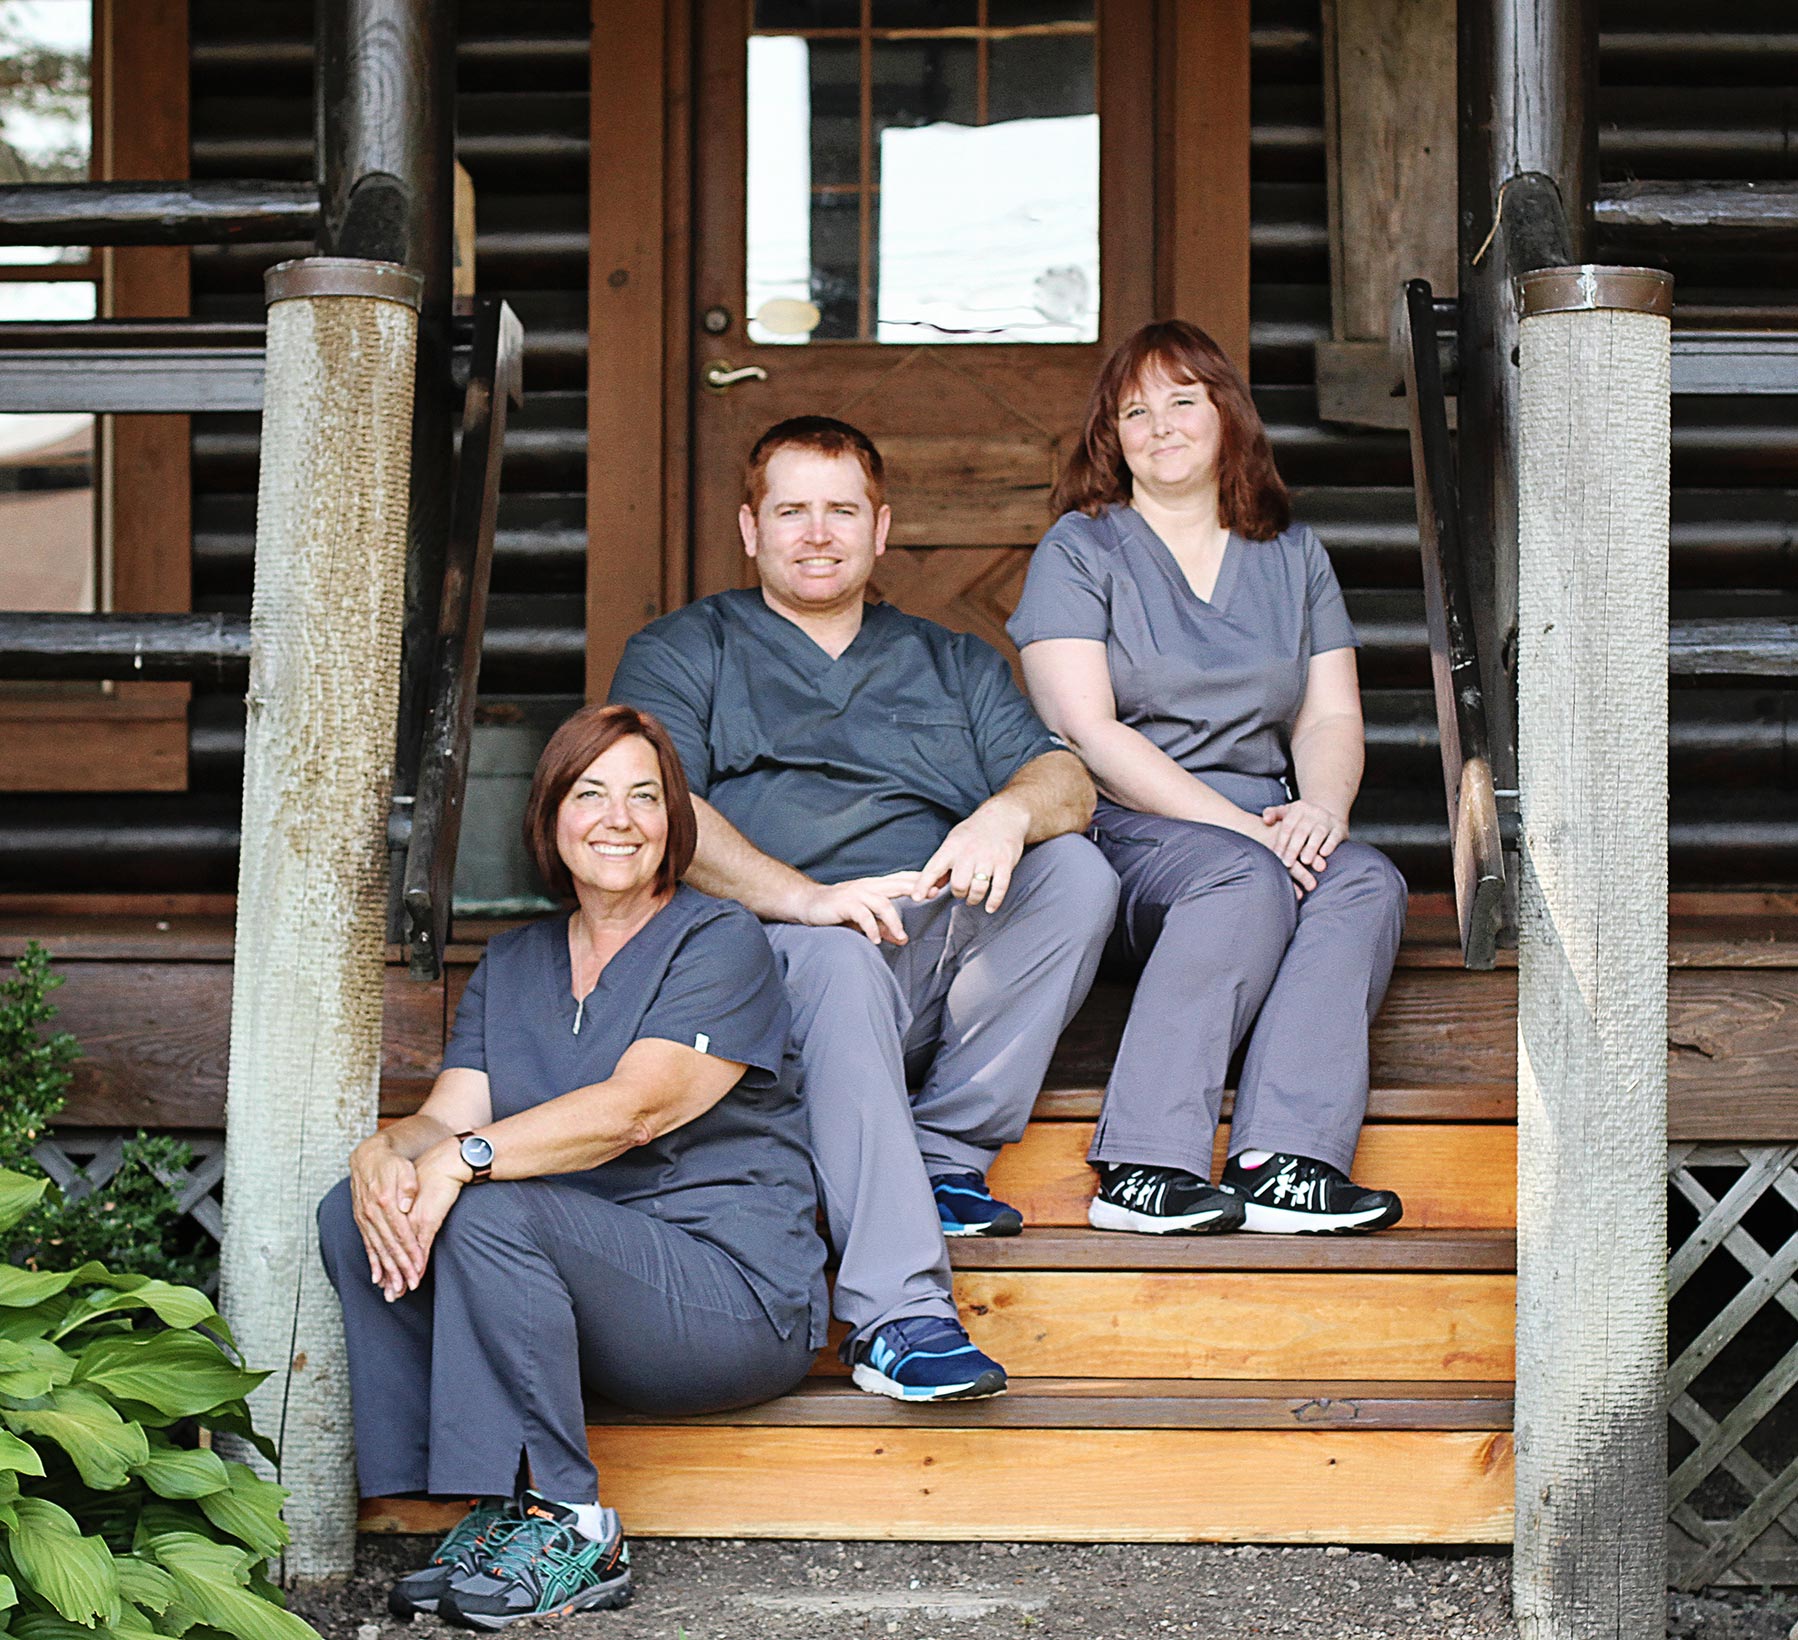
pixel 1675 101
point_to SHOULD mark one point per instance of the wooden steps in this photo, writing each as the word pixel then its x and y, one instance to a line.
pixel 1236 1388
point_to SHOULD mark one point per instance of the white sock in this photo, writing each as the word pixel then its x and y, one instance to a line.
pixel 1253 1158
pixel 589 1520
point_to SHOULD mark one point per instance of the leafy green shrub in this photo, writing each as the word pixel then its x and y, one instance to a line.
pixel 111 1522
pixel 134 1220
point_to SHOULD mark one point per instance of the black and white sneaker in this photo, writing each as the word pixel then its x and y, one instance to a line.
pixel 1160 1201
pixel 1296 1196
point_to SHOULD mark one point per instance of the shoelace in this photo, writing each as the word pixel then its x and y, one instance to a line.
pixel 525 1543
pixel 472 1530
pixel 1142 1189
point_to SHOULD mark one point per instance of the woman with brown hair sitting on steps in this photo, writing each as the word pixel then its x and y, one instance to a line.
pixel 1190 643
pixel 606 1193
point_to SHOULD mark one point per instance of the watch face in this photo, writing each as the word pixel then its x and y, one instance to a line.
pixel 477 1152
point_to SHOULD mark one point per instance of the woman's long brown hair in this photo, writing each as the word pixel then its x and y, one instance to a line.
pixel 1251 497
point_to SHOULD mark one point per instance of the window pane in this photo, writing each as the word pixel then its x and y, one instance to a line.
pixel 1045 77
pixel 46 116
pixel 926 13
pixel 808 13
pixel 979 220
pixel 48 556
pixel 1022 13
pixel 836 91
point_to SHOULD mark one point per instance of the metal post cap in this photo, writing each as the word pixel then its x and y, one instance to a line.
pixel 1592 286
pixel 343 276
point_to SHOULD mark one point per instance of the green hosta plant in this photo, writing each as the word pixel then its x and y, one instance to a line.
pixel 111 1521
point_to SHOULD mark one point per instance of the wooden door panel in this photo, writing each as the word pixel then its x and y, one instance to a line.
pixel 967 589
pixel 972 432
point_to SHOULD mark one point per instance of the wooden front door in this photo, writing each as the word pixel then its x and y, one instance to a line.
pixel 877 190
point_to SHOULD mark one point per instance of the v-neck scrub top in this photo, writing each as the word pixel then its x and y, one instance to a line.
pixel 1215 682
pixel 845 767
pixel 700 973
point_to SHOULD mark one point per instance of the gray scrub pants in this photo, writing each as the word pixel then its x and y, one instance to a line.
pixel 536 1292
pixel 971 1005
pixel 1226 950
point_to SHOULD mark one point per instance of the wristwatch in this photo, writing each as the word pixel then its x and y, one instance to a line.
pixel 478 1153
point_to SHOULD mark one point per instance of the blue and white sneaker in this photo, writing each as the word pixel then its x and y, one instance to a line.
pixel 966 1207
pixel 925 1358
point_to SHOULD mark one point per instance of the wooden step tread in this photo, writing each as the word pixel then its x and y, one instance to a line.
pixel 1398 1249
pixel 1126 1403
pixel 1254 1326
pixel 915 1477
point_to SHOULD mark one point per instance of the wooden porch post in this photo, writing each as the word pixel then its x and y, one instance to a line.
pixel 312 884
pixel 1592 955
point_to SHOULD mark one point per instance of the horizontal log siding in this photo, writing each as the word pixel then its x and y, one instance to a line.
pixel 1674 102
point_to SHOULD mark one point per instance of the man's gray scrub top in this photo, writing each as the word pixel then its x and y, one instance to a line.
pixel 843 768
pixel 700 973
pixel 1215 683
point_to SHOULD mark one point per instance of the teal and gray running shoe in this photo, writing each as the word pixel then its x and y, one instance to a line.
pixel 544 1567
pixel 462 1551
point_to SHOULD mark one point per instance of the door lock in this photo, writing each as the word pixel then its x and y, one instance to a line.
pixel 721 375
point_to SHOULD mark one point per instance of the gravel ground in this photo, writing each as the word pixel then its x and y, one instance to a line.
pixel 692 1590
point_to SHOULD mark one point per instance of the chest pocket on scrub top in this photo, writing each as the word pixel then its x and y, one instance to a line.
pixel 935 751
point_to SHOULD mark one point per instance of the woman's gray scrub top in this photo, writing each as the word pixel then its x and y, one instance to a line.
pixel 1216 683
pixel 699 973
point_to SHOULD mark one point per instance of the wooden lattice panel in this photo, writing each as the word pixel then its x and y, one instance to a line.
pixel 82 1160
pixel 1733 1492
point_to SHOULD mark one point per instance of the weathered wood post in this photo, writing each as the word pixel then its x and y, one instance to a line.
pixel 312 881
pixel 1592 954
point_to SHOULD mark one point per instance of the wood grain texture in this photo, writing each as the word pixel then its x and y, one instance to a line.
pixel 1389 90
pixel 155 1040
pixel 1236 1324
pixel 1206 222
pixel 151 1007
pixel 1592 974
pixel 625 322
pixel 1102 1486
pixel 1399 1249
pixel 1450 1176
pixel 1131 1403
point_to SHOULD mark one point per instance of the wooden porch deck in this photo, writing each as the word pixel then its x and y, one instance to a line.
pixel 1246 1388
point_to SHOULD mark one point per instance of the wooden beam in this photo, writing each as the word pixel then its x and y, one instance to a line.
pixel 1206 242
pixel 327 614
pixel 1593 550
pixel 626 428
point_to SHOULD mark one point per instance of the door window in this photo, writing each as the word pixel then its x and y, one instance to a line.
pixel 48 544
pixel 923 171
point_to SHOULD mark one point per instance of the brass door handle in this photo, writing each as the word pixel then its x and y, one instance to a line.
pixel 721 375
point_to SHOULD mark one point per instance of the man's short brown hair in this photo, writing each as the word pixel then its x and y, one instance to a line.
pixel 827 437
pixel 592 730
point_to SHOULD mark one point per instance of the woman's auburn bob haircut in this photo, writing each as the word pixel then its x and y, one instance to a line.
pixel 591 731
pixel 1251 498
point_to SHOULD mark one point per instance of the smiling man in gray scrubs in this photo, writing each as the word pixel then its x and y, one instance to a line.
pixel 874 787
